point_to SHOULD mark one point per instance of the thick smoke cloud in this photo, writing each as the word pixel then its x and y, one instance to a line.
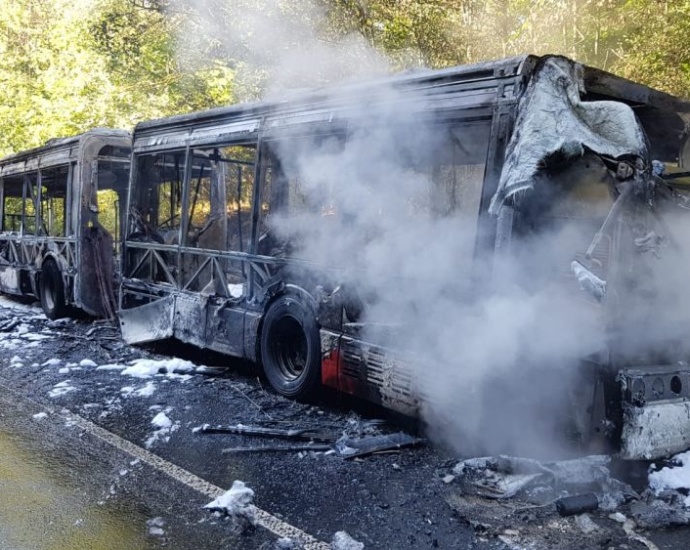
pixel 276 45
pixel 496 368
pixel 394 209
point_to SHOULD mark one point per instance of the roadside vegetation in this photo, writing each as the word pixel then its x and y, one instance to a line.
pixel 70 65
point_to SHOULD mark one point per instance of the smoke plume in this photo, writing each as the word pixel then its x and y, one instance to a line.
pixel 392 211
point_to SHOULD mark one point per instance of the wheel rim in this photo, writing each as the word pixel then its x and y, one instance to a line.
pixel 289 348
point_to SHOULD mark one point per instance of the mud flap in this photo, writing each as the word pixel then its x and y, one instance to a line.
pixel 147 323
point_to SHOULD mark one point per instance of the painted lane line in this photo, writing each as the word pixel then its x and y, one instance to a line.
pixel 264 519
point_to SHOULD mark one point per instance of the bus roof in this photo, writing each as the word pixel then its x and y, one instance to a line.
pixel 483 80
pixel 55 151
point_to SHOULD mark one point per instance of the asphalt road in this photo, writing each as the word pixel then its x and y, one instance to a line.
pixel 111 473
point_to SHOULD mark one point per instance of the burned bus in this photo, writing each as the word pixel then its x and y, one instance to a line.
pixel 61 221
pixel 356 238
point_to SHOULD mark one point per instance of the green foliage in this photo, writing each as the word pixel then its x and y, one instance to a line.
pixel 67 66
pixel 657 50
pixel 70 65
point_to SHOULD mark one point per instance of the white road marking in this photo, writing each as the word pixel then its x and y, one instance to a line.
pixel 264 519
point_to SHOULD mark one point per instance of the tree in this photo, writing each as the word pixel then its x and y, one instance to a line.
pixel 50 84
pixel 656 49
pixel 66 67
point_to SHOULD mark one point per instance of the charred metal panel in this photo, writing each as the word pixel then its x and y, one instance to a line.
pixel 190 318
pixel 94 275
pixel 226 328
pixel 10 278
pixel 608 128
pixel 468 87
pixel 252 323
pixel 655 430
pixel 97 295
pixel 655 383
pixel 656 411
pixel 377 374
pixel 148 323
pixel 606 84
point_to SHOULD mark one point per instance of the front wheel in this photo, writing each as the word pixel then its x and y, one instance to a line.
pixel 291 348
pixel 52 291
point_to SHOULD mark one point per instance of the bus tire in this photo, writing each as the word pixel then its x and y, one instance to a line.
pixel 52 291
pixel 291 348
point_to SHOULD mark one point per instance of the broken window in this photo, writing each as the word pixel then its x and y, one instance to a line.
pixel 12 204
pixel 53 200
pixel 219 217
pixel 326 184
pixel 156 215
pixel 239 189
pixel 157 203
pixel 299 191
pixel 20 195
pixel 111 188
pixel 30 200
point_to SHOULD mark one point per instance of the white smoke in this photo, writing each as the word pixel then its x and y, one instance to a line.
pixel 494 368
pixel 274 45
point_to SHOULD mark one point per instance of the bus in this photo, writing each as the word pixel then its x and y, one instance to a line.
pixel 61 221
pixel 287 232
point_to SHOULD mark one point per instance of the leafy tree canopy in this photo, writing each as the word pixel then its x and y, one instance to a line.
pixel 70 65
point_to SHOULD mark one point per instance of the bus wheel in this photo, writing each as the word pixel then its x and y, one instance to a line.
pixel 52 291
pixel 291 348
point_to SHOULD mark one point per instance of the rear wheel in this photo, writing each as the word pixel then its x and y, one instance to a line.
pixel 52 291
pixel 291 348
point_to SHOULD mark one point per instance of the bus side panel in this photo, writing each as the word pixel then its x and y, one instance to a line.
pixel 226 329
pixel 190 319
pixel 10 280
pixel 148 322
pixel 378 375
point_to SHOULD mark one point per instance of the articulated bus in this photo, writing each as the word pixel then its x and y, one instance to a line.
pixel 222 202
pixel 60 215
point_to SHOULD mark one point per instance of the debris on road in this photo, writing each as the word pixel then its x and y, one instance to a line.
pixel 276 448
pixel 577 504
pixel 586 524
pixel 659 514
pixel 261 431
pixel 538 482
pixel 348 447
pixel 343 541
pixel 284 543
pixel 161 421
pixel 61 388
pixel 164 428
pixel 155 526
pixel 527 503
pixel 236 503
pixel 674 476
pixel 629 529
